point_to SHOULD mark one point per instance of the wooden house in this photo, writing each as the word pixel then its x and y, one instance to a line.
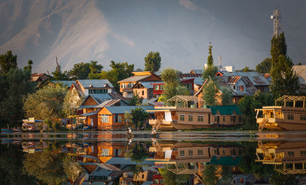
pixel 158 87
pixel 92 86
pixel 94 103
pixel 145 90
pixel 126 85
pixel 226 115
pixel 112 118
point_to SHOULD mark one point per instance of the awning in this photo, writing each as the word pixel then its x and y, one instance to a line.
pixel 90 113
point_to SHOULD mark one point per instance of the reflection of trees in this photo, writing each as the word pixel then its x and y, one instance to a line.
pixel 278 178
pixel 47 167
pixel 210 175
pixel 217 174
pixel 72 168
pixel 11 165
pixel 172 178
pixel 138 154
pixel 248 165
pixel 136 169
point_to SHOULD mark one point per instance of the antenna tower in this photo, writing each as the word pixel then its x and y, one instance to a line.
pixel 277 22
pixel 220 62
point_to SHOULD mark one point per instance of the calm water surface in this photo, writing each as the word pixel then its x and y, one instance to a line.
pixel 189 158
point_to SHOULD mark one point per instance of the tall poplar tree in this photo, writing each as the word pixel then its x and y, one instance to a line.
pixel 152 61
pixel 284 79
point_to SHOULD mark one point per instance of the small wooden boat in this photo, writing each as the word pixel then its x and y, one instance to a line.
pixel 6 130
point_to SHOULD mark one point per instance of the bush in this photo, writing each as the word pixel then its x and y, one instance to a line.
pixel 56 126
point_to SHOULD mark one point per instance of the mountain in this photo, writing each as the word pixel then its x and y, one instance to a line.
pixel 126 30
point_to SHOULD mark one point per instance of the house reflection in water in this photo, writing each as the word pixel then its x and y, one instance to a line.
pixel 288 157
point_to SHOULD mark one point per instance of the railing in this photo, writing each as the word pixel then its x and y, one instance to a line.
pixel 263 124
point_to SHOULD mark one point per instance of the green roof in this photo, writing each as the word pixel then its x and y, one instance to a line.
pixel 225 110
pixel 226 160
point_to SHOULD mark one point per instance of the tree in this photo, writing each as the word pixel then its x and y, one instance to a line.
pixel 128 118
pixel 95 70
pixel 170 77
pixel 210 71
pixel 278 47
pixel 264 66
pixel 226 96
pixel 135 100
pixel 29 66
pixel 118 72
pixel 139 116
pixel 152 61
pixel 7 62
pixel 209 93
pixel 72 101
pixel 46 102
pixel 284 79
pixel 182 90
pixel 46 166
pixel 80 71
pixel 15 86
pixel 138 154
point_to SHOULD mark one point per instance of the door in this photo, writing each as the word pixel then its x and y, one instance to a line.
pixel 92 122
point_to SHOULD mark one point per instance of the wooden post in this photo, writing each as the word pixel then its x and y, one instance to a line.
pixel 284 103
pixel 303 104
pixel 293 103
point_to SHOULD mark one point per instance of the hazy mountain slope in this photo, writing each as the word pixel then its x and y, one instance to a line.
pixel 80 31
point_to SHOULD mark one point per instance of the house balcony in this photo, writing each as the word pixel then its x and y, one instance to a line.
pixel 163 122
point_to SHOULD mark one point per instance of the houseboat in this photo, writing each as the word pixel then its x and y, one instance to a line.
pixel 183 112
pixel 290 116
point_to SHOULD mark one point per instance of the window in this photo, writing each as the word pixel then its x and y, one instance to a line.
pixel 142 93
pixel 119 119
pixel 161 87
pixel 182 153
pixel 215 118
pixel 291 154
pixel 290 117
pixel 200 152
pixel 302 117
pixel 104 118
pixel 303 153
pixel 182 117
pixel 156 87
pixel 200 118
pixel 156 181
pixel 190 86
pixel 105 152
pixel 223 118
pixel 190 118
pixel 223 152
pixel 231 118
pixel 161 181
pixel 190 152
pixel 242 88
pixel 97 91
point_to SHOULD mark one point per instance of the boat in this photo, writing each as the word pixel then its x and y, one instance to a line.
pixel 283 118
pixel 6 130
pixel 191 112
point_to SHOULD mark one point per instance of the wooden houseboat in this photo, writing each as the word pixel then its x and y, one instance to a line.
pixel 185 113
pixel 283 117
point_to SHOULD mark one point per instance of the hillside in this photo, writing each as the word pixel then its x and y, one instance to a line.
pixel 125 31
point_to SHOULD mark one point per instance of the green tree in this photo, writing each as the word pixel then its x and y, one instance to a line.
pixel 152 61
pixel 15 86
pixel 72 101
pixel 264 66
pixel 128 118
pixel 46 166
pixel 95 70
pixel 171 79
pixel 209 93
pixel 278 47
pixel 226 96
pixel 182 90
pixel 46 103
pixel 284 79
pixel 7 62
pixel 210 175
pixel 135 100
pixel 210 70
pixel 118 72
pixel 80 71
pixel 139 116
pixel 29 66
pixel 138 154
pixel 59 75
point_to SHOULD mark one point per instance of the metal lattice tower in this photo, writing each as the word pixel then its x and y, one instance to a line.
pixel 277 22
pixel 220 62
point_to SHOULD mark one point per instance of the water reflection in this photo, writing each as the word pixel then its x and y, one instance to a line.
pixel 134 162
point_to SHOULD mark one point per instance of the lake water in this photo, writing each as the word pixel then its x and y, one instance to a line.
pixel 221 157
